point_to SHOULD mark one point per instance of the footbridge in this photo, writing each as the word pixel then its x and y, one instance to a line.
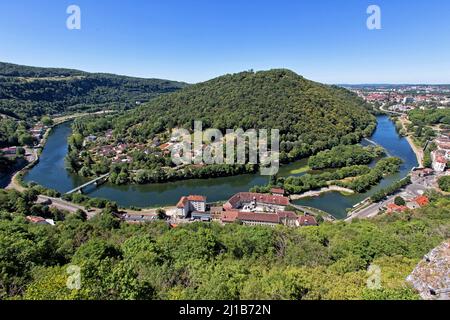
pixel 95 181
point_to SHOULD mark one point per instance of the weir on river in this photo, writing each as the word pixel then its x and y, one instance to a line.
pixel 377 145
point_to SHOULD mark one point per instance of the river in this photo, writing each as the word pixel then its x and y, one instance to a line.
pixel 51 173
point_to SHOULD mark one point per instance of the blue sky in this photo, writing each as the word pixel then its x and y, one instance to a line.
pixel 195 40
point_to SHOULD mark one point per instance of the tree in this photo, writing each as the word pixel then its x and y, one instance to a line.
pixel 161 214
pixel 20 151
pixel 47 121
pixel 26 139
pixel 444 183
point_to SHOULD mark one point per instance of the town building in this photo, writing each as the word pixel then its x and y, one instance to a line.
pixel 286 218
pixel 40 220
pixel 439 160
pixel 307 220
pixel 277 191
pixel 418 202
pixel 392 207
pixel 408 100
pixel 443 145
pixel 189 204
pixel 9 151
pixel 202 216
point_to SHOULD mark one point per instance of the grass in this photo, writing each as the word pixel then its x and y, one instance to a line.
pixel 300 170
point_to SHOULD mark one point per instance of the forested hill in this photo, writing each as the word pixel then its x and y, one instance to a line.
pixel 31 91
pixel 309 115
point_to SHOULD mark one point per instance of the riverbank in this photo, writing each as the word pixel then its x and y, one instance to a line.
pixel 15 183
pixel 418 151
pixel 51 173
pixel 317 193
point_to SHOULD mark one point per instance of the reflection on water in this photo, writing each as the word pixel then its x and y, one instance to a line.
pixel 51 173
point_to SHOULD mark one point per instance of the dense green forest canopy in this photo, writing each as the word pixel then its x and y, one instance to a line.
pixel 362 178
pixel 429 117
pixel 344 155
pixel 13 133
pixel 31 91
pixel 310 116
pixel 209 261
pixel 444 183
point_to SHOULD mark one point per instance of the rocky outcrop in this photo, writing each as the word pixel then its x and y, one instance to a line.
pixel 431 277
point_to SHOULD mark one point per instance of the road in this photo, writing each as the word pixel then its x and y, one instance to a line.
pixel 415 189
pixel 31 157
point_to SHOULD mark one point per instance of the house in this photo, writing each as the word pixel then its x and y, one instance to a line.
pixel 165 146
pixel 419 173
pixel 40 220
pixel 288 218
pixel 439 161
pixel 422 201
pixel 392 207
pixel 189 204
pixel 216 212
pixel 306 220
pixel 443 145
pixel 277 191
pixel 9 151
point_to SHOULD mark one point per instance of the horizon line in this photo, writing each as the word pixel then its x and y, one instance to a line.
pixel 363 83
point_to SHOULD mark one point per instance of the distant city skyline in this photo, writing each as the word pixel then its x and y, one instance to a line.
pixel 192 41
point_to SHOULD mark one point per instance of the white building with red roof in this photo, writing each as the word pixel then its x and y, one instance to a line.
pixel 189 204
pixel 439 160
pixel 443 144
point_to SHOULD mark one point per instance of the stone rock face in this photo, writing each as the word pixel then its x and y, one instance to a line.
pixel 431 277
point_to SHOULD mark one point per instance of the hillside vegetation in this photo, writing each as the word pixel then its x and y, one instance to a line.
pixel 31 91
pixel 310 116
pixel 209 261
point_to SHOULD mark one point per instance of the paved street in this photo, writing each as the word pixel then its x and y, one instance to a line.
pixel 66 206
pixel 418 188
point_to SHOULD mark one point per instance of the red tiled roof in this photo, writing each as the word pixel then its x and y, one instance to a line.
pixel 164 146
pixel 277 191
pixel 392 207
pixel 259 217
pixel 233 215
pixel 422 200
pixel 35 219
pixel 182 202
pixel 307 221
pixel 196 198
pixel 229 216
pixel 287 214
